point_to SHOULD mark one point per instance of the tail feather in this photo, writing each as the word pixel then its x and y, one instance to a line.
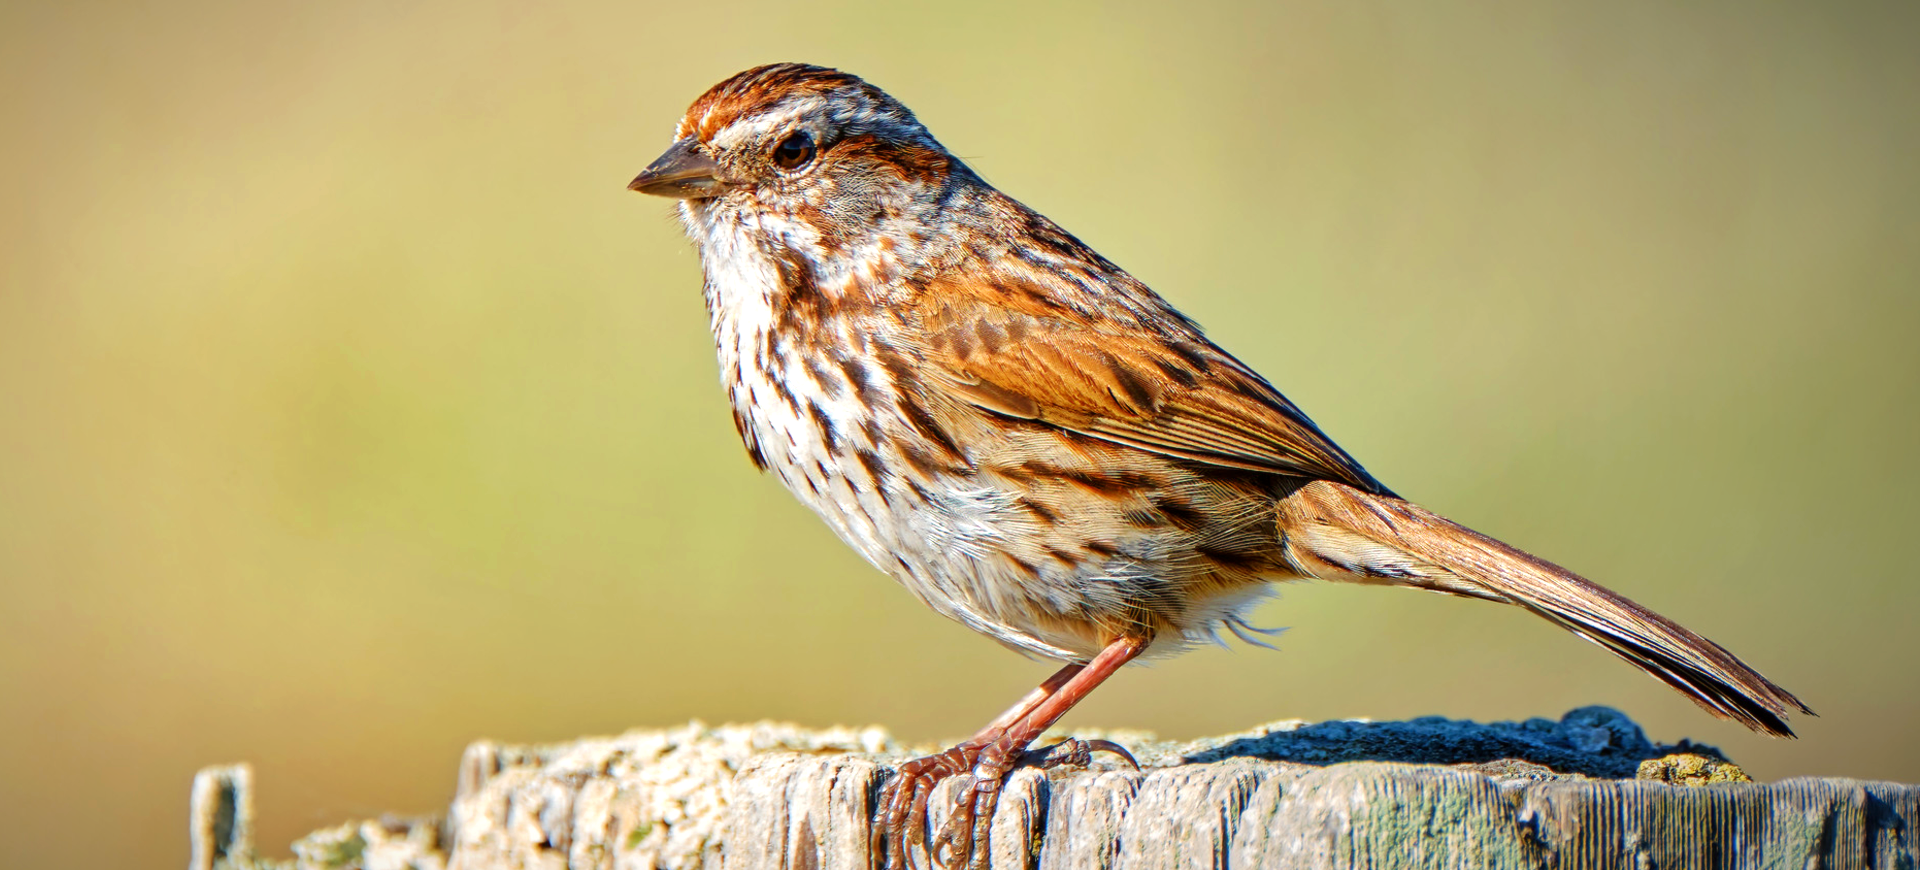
pixel 1330 529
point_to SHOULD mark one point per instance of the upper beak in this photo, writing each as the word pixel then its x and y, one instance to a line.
pixel 681 173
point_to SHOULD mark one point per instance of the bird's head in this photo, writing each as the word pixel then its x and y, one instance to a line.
pixel 798 155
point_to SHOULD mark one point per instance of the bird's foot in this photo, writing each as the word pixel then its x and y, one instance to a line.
pixel 901 820
pixel 964 840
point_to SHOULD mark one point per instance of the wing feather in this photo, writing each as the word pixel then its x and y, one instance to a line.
pixel 1153 383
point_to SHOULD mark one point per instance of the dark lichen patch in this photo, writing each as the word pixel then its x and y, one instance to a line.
pixel 1597 742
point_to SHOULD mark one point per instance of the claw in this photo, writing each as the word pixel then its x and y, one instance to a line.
pixel 1075 752
pixel 946 842
pixel 1114 748
pixel 965 837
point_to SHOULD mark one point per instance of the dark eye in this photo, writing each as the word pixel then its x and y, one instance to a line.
pixel 794 151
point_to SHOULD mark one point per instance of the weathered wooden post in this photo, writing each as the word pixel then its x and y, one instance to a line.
pixel 1586 791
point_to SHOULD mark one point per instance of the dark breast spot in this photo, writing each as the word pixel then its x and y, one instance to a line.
pixel 876 469
pixel 922 421
pixel 829 384
pixel 746 437
pixel 860 377
pixel 828 434
pixel 919 492
pixel 928 465
pixel 779 387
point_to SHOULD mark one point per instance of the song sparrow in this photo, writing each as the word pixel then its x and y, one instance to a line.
pixel 1034 443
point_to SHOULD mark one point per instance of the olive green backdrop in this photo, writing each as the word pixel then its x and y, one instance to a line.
pixel 350 408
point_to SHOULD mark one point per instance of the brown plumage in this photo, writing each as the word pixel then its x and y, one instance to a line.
pixel 1033 442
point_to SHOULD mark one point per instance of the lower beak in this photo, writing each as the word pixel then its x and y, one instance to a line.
pixel 681 173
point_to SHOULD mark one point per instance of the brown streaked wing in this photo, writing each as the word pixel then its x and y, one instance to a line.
pixel 1164 389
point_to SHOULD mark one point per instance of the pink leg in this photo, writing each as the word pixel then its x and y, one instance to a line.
pixel 1019 710
pixel 965 836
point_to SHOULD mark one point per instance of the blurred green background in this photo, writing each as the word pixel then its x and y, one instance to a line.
pixel 350 409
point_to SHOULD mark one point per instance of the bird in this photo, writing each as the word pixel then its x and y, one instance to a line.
pixel 1037 445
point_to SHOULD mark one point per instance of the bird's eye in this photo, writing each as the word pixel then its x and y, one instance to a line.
pixel 794 151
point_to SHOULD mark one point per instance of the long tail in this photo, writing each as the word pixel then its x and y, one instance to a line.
pixel 1329 529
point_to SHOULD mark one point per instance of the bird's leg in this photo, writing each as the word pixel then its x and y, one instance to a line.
pixel 964 838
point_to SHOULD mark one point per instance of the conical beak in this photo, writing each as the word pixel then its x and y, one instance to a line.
pixel 681 173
